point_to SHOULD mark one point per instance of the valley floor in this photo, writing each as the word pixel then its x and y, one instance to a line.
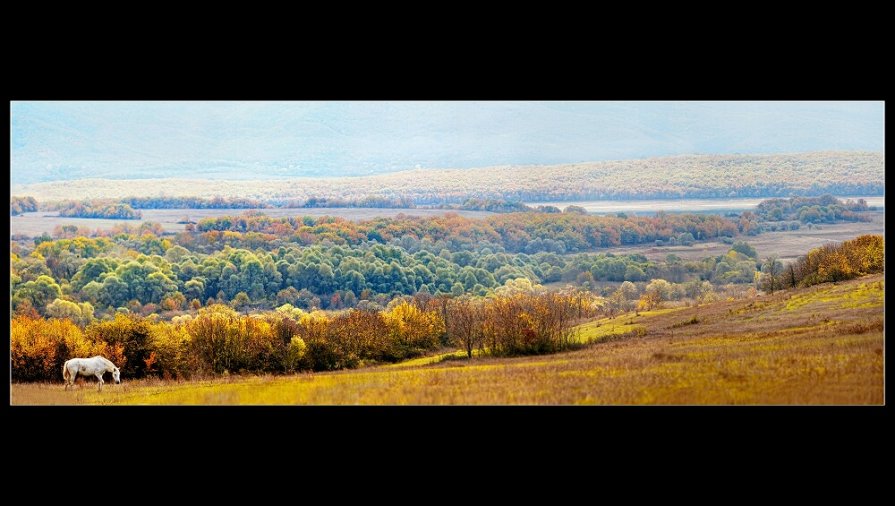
pixel 818 345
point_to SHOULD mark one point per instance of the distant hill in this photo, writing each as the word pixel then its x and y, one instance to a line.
pixel 706 176
pixel 54 141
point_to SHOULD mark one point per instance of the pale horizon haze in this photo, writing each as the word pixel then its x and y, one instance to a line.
pixel 52 141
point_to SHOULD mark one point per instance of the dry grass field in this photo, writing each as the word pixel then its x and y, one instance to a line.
pixel 718 206
pixel 819 345
pixel 787 245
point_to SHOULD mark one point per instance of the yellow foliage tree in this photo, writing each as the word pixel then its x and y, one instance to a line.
pixel 39 347
pixel 412 330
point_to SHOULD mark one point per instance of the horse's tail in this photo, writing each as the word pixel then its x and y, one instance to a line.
pixel 66 375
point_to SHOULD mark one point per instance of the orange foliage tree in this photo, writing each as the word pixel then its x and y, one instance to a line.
pixel 39 347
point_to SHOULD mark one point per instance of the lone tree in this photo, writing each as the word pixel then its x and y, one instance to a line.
pixel 699 290
pixel 241 302
pixel 790 277
pixel 464 323
pixel 772 271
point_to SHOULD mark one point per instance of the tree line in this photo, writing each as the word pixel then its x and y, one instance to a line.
pixel 823 209
pixel 515 232
pixel 114 211
pixel 218 339
pixel 144 272
pixel 369 201
pixel 830 263
pixel 19 205
pixel 193 203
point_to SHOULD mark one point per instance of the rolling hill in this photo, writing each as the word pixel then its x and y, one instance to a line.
pixel 704 176
pixel 817 345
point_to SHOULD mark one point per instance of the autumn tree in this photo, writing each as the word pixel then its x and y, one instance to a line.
pixel 771 277
pixel 656 292
pixel 464 323
pixel 412 330
pixel 699 291
pixel 39 347
pixel 358 336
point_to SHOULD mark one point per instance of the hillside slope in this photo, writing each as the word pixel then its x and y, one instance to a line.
pixel 819 345
pixel 704 176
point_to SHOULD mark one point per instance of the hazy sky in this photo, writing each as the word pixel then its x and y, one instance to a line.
pixel 233 140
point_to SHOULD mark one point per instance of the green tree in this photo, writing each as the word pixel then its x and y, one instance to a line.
pixel 634 273
pixel 60 308
pixel 772 271
pixel 241 301
pixel 744 248
pixel 39 292
pixel 115 292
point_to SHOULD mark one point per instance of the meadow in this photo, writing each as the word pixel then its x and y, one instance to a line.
pixel 786 245
pixel 679 205
pixel 817 345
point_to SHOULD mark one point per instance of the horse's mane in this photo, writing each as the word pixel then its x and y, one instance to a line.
pixel 106 361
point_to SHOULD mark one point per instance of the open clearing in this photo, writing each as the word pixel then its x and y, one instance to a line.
pixel 679 205
pixel 787 245
pixel 818 345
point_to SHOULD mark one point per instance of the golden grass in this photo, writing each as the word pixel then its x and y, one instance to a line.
pixel 431 359
pixel 840 296
pixel 821 345
pixel 628 324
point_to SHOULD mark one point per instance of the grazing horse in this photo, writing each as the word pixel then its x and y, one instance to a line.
pixel 93 366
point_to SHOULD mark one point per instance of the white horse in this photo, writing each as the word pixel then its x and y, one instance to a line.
pixel 93 366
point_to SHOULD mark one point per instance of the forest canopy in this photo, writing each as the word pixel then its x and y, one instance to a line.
pixel 255 261
pixel 518 317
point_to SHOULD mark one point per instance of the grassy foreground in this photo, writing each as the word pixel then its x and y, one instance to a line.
pixel 819 345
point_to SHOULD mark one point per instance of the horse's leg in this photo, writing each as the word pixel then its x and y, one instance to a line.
pixel 99 385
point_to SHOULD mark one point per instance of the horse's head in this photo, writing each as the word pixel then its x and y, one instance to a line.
pixel 116 375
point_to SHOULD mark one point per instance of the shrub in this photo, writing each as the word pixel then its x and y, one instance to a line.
pixel 39 348
pixel 528 323
pixel 411 331
pixel 129 334
pixel 170 347
pixel 857 257
pixel 295 354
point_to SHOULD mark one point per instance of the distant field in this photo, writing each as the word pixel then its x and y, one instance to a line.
pixel 787 245
pixel 819 345
pixel 678 205
pixel 33 224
